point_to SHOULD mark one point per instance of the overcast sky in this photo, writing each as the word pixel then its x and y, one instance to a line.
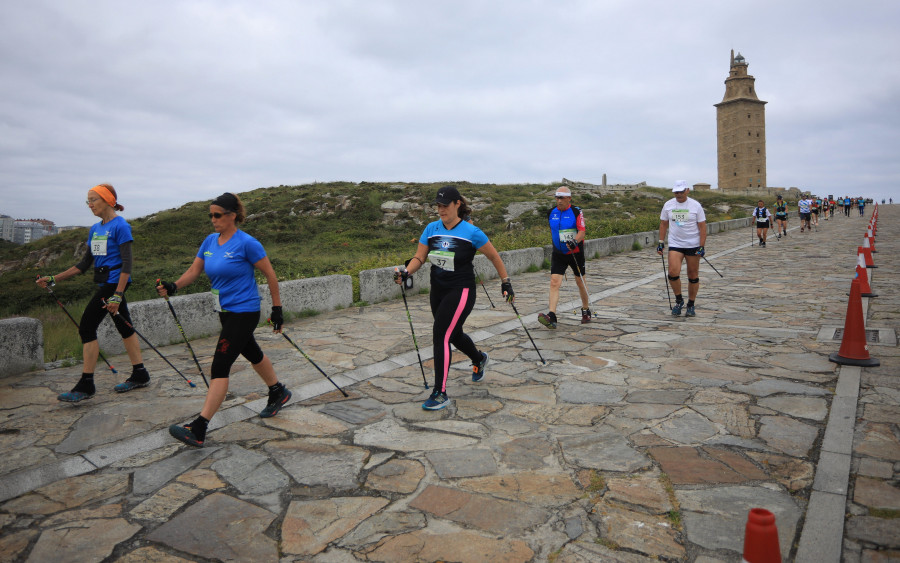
pixel 177 101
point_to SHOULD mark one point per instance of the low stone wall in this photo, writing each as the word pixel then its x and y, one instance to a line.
pixel 21 345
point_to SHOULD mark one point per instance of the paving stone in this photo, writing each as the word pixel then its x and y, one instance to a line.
pixel 534 488
pixel 309 526
pixel 541 394
pixel 475 408
pixel 660 396
pixel 389 435
pixel 69 493
pixel 889 414
pixel 249 433
pixel 875 468
pixel 249 472
pixel 526 453
pixel 816 363
pixel 738 464
pixel 576 415
pixel 462 547
pixel 95 429
pixel 787 435
pixel 396 476
pixel 579 392
pixel 381 525
pixel 361 411
pixel 795 474
pixel 152 477
pixel 202 479
pixel 875 493
pixel 12 544
pixel 85 540
pixel 586 552
pixel 471 429
pixel 686 427
pixel 879 442
pixel 452 464
pixel 717 397
pixel 574 527
pixel 734 417
pixel 639 490
pixel 691 369
pixel 311 463
pixel 111 510
pixel 164 503
pixel 715 518
pixel 220 527
pixel 766 387
pixel 684 466
pixel 882 532
pixel 644 533
pixel 150 555
pixel 604 449
pixel 486 513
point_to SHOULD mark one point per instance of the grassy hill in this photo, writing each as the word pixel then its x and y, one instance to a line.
pixel 321 229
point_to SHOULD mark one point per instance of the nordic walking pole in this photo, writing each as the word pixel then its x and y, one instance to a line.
pixel 288 338
pixel 63 307
pixel 482 287
pixel 516 311
pixel 665 280
pixel 409 318
pixel 713 267
pixel 129 325
pixel 184 336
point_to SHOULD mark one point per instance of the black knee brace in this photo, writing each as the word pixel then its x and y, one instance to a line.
pixel 694 280
pixel 673 278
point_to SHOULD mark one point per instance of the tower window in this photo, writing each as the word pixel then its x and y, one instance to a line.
pixel 734 154
pixel 750 185
pixel 757 170
pixel 757 134
pixel 748 116
pixel 757 151
pixel 735 173
pixel 749 134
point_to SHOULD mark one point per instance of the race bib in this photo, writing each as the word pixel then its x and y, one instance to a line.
pixel 98 245
pixel 442 259
pixel 217 305
pixel 680 216
pixel 565 235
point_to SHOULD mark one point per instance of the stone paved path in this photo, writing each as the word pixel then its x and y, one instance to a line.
pixel 644 437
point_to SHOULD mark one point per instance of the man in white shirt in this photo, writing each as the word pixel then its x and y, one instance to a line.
pixel 685 221
pixel 803 207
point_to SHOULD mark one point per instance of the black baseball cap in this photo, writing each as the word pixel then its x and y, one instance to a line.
pixel 447 195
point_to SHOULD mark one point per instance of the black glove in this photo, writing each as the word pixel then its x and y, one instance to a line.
pixel 571 244
pixel 701 252
pixel 276 318
pixel 507 290
pixel 660 246
pixel 170 287
pixel 401 275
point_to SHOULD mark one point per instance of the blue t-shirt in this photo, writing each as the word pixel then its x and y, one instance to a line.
pixel 451 253
pixel 230 270
pixel 564 225
pixel 104 240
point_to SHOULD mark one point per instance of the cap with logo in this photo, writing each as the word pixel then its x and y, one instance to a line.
pixel 680 186
pixel 447 195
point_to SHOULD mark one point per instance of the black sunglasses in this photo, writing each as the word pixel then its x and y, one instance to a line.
pixel 218 215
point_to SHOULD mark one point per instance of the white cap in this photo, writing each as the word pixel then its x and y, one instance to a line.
pixel 680 186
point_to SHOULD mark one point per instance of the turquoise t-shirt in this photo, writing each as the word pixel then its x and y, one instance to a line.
pixel 104 241
pixel 451 253
pixel 230 270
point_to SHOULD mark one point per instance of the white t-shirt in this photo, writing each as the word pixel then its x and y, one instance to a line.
pixel 683 219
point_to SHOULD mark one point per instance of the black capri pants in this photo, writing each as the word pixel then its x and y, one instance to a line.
pixel 450 308
pixel 235 339
pixel 94 313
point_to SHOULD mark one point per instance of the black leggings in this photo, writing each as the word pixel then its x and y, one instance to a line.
pixel 94 313
pixel 450 308
pixel 235 339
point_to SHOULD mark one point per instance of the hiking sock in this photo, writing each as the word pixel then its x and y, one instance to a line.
pixel 679 298
pixel 552 316
pixel 690 303
pixel 139 374
pixel 276 388
pixel 85 384
pixel 198 428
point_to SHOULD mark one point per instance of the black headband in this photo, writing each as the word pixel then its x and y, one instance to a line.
pixel 227 201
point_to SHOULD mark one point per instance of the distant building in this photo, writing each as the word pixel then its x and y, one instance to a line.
pixel 6 227
pixel 28 230
pixel 741 131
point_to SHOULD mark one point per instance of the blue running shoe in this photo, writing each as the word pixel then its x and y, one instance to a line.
pixel 689 312
pixel 436 401
pixel 676 310
pixel 185 435
pixel 277 399
pixel 74 396
pixel 478 369
pixel 129 385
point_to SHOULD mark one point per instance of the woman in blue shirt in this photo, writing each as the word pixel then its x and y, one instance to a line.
pixel 109 250
pixel 450 244
pixel 229 257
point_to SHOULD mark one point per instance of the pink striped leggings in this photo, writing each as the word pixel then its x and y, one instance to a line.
pixel 450 308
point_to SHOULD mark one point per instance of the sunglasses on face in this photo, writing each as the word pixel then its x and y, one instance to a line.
pixel 218 215
pixel 563 197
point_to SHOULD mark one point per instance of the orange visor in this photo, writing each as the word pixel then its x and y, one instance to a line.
pixel 107 196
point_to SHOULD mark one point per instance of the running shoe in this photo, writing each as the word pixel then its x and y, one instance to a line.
pixel 277 399
pixel 676 310
pixel 139 378
pixel 185 435
pixel 585 316
pixel 762 243
pixel 778 236
pixel 546 320
pixel 74 396
pixel 478 369
pixel 436 401
pixel 689 312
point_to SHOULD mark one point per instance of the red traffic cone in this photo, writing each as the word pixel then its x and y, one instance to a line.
pixel 871 240
pixel 867 254
pixel 862 275
pixel 854 351
pixel 761 538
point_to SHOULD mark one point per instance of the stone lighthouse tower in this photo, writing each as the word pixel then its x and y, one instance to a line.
pixel 741 131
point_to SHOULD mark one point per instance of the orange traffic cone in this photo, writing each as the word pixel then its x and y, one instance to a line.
pixel 867 254
pixel 761 538
pixel 854 351
pixel 871 241
pixel 862 275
